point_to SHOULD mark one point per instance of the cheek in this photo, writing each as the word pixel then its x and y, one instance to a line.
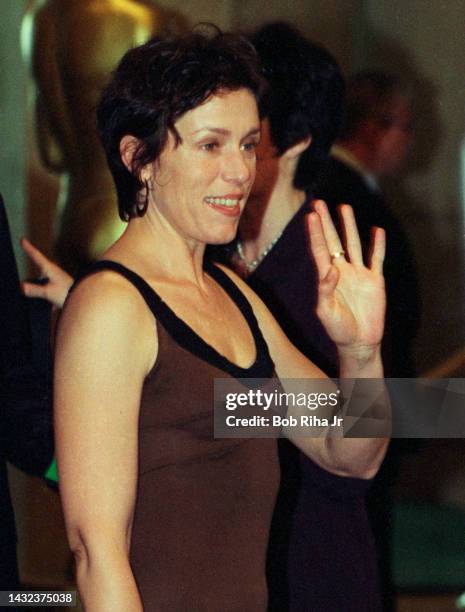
pixel 390 146
pixel 162 175
pixel 398 151
pixel 202 171
pixel 399 141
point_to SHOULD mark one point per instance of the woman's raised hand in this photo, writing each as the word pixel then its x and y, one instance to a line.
pixel 58 282
pixel 351 295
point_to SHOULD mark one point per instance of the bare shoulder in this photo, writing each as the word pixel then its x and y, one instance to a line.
pixel 106 312
pixel 102 295
pixel 103 286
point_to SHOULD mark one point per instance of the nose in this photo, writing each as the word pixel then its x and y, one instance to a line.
pixel 239 167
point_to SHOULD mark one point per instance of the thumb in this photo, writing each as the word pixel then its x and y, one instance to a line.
pixel 33 290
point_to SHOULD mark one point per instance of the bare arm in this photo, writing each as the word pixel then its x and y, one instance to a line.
pixel 351 305
pixel 105 346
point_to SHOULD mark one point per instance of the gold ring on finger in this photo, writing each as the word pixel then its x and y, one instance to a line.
pixel 337 254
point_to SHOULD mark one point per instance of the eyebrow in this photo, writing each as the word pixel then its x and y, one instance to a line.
pixel 224 132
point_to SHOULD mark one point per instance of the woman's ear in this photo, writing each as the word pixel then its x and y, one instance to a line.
pixel 127 147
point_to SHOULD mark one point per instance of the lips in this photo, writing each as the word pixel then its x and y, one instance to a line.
pixel 223 201
pixel 228 204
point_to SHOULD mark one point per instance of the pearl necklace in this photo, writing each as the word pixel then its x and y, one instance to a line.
pixel 250 266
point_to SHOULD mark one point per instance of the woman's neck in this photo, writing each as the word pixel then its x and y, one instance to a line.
pixel 152 248
pixel 265 218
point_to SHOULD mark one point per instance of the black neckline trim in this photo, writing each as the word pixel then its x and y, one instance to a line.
pixel 183 334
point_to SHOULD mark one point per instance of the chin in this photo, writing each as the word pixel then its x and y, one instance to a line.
pixel 225 236
pixel 218 241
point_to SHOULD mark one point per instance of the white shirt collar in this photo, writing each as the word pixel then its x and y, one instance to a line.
pixel 347 158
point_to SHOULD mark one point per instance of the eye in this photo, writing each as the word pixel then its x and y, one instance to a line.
pixel 209 146
pixel 250 146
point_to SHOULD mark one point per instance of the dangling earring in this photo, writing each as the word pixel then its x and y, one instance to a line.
pixel 143 197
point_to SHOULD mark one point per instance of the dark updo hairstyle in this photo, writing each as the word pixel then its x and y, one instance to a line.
pixel 154 85
pixel 305 95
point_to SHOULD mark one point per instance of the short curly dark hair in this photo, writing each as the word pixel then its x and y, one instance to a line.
pixel 155 84
pixel 305 95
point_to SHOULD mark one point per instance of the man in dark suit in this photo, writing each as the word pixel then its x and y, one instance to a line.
pixel 25 399
pixel 373 143
pixel 375 138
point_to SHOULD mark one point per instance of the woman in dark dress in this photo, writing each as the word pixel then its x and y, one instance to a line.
pixel 322 555
pixel 159 513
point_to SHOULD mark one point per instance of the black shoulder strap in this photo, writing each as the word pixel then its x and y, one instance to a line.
pixel 152 299
pixel 181 332
pixel 239 298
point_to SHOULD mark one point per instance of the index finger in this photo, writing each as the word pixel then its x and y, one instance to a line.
pixel 36 256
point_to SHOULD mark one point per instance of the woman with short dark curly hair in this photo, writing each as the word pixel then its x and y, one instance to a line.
pixel 161 515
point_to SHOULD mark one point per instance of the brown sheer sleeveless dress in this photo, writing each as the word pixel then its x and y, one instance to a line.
pixel 204 505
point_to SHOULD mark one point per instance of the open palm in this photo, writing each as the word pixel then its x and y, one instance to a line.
pixel 351 295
